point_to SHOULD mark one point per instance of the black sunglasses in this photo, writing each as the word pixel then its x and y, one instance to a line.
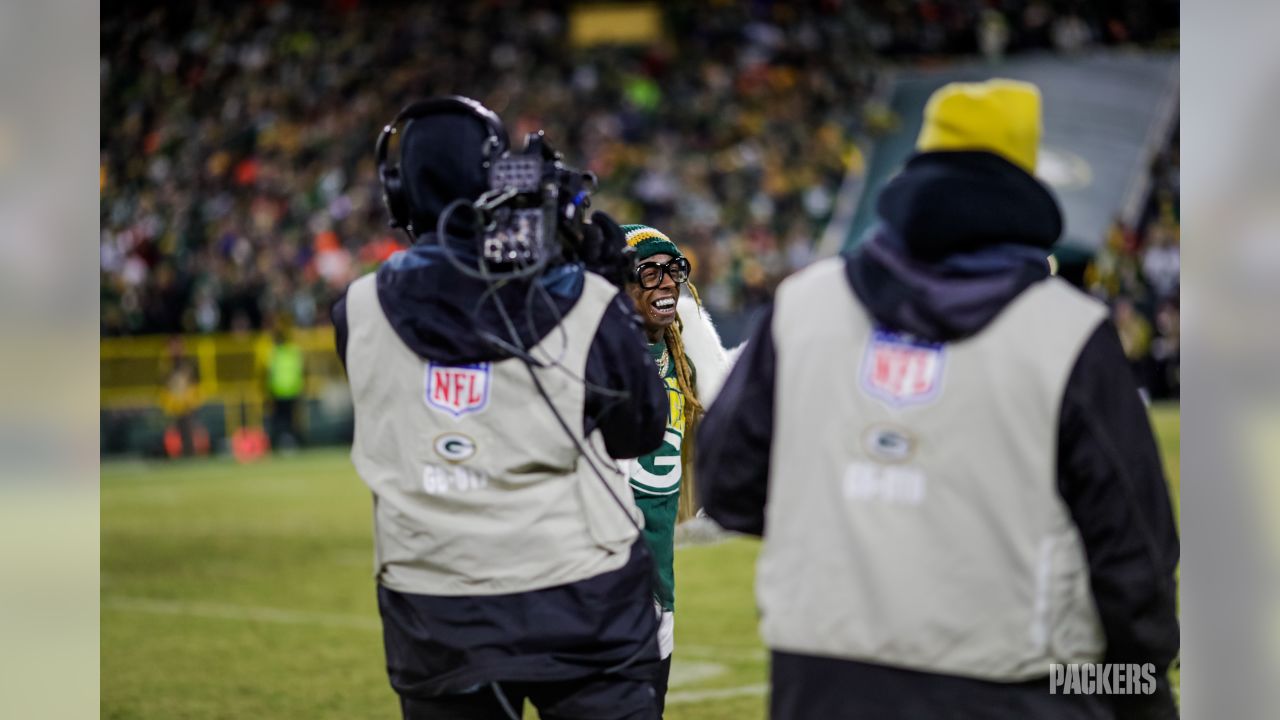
pixel 649 274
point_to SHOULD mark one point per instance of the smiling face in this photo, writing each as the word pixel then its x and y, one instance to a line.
pixel 657 306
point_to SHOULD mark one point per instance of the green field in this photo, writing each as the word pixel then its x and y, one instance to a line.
pixel 232 591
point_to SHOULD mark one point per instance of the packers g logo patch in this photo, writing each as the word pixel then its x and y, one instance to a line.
pixel 455 447
pixel 889 443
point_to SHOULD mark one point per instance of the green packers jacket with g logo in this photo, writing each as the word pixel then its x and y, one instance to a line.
pixel 655 482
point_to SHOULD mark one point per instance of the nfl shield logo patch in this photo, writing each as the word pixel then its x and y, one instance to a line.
pixel 457 389
pixel 901 369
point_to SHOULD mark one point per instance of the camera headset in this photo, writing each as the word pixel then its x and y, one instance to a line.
pixel 394 194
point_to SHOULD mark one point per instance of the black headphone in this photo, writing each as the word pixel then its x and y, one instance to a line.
pixel 393 191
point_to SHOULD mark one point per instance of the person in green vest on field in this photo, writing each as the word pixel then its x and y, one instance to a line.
pixel 286 375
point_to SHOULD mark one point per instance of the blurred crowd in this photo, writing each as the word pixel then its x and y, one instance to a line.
pixel 1137 271
pixel 239 190
pixel 237 180
pixel 994 28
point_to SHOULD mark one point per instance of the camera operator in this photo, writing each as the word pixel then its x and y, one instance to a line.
pixel 944 450
pixel 490 398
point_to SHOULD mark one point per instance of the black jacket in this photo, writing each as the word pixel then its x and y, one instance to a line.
pixel 928 271
pixel 436 644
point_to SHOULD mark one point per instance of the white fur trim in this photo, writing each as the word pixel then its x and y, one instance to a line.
pixel 704 349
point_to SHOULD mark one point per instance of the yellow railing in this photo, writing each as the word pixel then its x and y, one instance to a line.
pixel 231 370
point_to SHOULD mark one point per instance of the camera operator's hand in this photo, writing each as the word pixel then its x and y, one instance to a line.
pixel 605 250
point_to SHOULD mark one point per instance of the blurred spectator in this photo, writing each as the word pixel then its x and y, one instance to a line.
pixel 1166 351
pixel 286 376
pixel 1160 260
pixel 1070 33
pixel 179 400
pixel 993 34
pixel 1135 338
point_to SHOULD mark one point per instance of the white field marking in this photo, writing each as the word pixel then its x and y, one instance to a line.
pixel 692 696
pixel 691 672
pixel 221 611
pixel 696 542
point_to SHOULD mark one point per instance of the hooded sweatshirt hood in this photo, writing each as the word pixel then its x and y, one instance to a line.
pixel 443 159
pixel 961 235
pixel 449 317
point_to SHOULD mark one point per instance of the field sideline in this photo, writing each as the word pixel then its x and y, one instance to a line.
pixel 234 591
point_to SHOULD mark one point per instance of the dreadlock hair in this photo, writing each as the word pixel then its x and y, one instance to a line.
pixel 693 410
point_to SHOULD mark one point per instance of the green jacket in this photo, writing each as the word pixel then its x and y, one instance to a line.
pixel 655 482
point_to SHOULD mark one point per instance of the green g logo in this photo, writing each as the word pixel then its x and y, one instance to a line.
pixel 455 447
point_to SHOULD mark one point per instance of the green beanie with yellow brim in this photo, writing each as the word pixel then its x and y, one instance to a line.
pixel 649 242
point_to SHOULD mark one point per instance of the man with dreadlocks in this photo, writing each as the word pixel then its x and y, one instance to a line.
pixel 692 363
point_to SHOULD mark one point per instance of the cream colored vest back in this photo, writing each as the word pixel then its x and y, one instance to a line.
pixel 913 513
pixel 477 488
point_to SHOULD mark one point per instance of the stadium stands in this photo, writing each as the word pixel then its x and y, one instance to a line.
pixel 238 191
pixel 237 186
pixel 237 182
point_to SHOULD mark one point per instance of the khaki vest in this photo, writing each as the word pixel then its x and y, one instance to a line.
pixel 913 514
pixel 477 488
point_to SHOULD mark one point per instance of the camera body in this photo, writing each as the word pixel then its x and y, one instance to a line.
pixel 535 207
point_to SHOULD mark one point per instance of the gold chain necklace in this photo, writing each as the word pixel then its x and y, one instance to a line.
pixel 664 363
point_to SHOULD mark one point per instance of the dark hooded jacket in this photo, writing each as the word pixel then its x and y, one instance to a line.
pixel 439 645
pixel 446 316
pixel 961 235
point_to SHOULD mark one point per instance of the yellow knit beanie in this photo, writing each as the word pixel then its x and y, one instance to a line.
pixel 999 116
